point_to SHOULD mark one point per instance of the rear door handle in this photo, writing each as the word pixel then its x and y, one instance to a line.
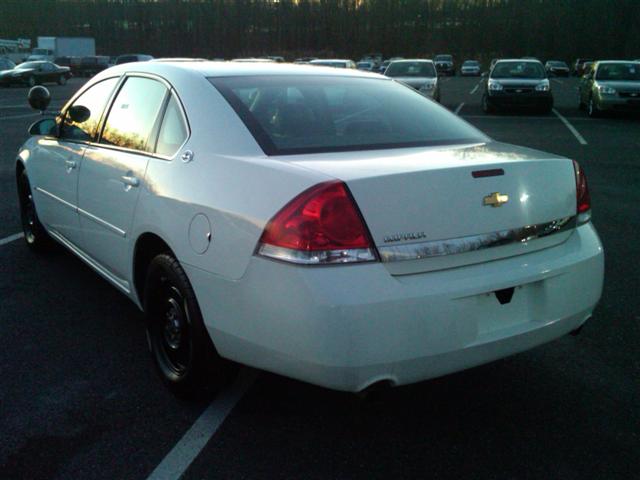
pixel 130 181
pixel 70 165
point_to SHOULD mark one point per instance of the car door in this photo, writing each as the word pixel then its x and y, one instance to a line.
pixel 113 172
pixel 57 161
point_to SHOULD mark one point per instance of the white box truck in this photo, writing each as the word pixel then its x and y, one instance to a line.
pixel 50 48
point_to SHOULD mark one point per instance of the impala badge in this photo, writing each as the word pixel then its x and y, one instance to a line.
pixel 496 199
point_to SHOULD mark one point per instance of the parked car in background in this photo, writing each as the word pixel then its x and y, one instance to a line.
pixel 6 64
pixel 35 73
pixel 579 65
pixel 337 228
pixel 470 67
pixel 304 60
pixel 444 64
pixel 517 83
pixel 133 57
pixel 557 67
pixel 275 58
pixel 366 66
pixel 611 85
pixel 419 74
pixel 336 63
pixel 89 66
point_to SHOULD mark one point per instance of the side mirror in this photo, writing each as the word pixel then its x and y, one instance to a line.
pixel 79 113
pixel 46 126
pixel 39 98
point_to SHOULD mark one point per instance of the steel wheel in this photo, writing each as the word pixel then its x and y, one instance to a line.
pixel 171 332
pixel 181 348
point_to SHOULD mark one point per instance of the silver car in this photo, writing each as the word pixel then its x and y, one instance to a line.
pixel 611 85
pixel 418 73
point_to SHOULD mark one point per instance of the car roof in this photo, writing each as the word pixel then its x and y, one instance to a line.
pixel 318 60
pixel 235 69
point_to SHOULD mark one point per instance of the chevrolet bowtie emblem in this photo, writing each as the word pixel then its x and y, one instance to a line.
pixel 496 199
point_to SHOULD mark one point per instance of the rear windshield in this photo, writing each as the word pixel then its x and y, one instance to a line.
pixel 313 114
pixel 618 71
pixel 411 69
pixel 557 64
pixel 518 70
pixel 443 58
pixel 470 63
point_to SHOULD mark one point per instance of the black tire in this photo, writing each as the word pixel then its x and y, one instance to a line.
pixel 181 348
pixel 486 106
pixel 31 81
pixel 35 235
pixel 62 80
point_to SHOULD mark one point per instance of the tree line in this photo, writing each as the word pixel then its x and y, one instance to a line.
pixel 562 29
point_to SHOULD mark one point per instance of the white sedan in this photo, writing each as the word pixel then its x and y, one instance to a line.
pixel 329 225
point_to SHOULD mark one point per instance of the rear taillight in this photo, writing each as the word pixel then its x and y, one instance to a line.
pixel 583 199
pixel 320 226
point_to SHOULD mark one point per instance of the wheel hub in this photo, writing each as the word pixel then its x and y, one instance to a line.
pixel 173 325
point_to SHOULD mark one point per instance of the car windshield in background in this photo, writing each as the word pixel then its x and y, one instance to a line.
pixel 443 58
pixel 618 71
pixel 470 63
pixel 26 65
pixel 518 70
pixel 309 114
pixel 411 69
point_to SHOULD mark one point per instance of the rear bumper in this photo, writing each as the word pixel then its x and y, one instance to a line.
pixel 348 327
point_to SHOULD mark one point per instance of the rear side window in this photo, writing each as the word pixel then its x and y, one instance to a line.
pixel 309 114
pixel 94 100
pixel 134 113
pixel 173 131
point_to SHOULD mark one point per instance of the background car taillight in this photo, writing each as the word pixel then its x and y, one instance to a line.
pixel 583 199
pixel 320 226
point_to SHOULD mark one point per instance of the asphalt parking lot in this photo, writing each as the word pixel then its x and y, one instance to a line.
pixel 79 398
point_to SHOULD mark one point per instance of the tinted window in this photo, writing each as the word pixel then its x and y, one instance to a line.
pixel 29 65
pixel 173 132
pixel 518 70
pixel 305 114
pixel 411 69
pixel 94 99
pixel 134 113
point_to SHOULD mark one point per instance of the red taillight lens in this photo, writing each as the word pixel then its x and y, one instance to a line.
pixel 583 199
pixel 321 225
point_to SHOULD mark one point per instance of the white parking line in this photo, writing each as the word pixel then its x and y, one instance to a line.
pixel 475 89
pixel 11 238
pixel 457 111
pixel 571 128
pixel 191 444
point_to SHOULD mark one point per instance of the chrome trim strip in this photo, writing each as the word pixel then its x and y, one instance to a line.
pixel 104 223
pixel 64 202
pixel 117 282
pixel 472 243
